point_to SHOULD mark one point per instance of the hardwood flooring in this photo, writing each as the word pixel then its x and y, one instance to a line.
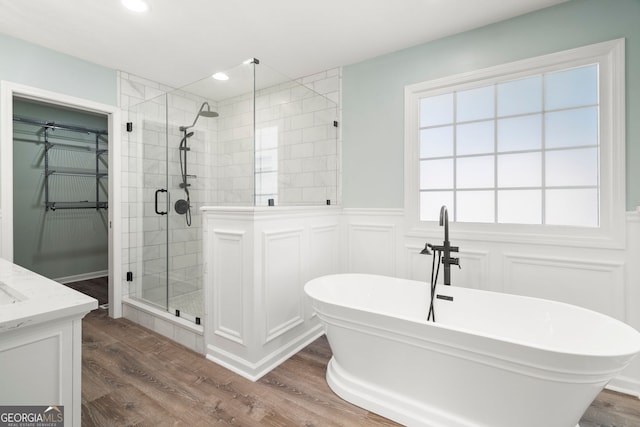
pixel 97 288
pixel 134 377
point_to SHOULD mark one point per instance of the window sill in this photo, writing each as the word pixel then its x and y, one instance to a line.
pixel 531 235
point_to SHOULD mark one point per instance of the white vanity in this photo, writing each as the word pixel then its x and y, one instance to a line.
pixel 41 341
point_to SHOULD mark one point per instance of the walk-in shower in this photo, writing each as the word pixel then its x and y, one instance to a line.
pixel 256 139
pixel 182 206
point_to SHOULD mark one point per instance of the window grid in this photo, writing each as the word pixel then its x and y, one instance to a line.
pixel 543 150
pixel 266 164
pixel 496 208
pixel 543 146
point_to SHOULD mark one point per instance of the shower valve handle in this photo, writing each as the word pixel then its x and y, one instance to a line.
pixel 162 190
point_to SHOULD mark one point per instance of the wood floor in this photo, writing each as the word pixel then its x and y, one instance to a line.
pixel 134 377
pixel 97 288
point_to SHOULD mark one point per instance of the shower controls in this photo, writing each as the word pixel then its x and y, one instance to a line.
pixel 181 206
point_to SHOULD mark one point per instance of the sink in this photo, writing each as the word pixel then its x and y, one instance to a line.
pixel 9 295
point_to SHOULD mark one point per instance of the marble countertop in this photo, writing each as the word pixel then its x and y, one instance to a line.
pixel 26 298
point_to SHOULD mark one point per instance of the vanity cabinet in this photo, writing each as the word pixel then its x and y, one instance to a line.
pixel 41 341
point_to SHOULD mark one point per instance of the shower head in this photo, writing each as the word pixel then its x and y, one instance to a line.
pixel 208 113
pixel 202 112
pixel 426 250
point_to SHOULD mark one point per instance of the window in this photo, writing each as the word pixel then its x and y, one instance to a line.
pixel 538 143
pixel 266 165
pixel 517 151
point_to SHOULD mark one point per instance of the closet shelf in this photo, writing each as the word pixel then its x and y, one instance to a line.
pixel 73 147
pixel 53 125
pixel 96 148
pixel 84 204
pixel 76 173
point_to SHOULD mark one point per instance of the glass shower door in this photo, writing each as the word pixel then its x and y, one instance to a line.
pixel 170 160
pixel 149 201
pixel 190 139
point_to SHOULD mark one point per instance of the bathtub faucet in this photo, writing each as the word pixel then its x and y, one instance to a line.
pixel 446 248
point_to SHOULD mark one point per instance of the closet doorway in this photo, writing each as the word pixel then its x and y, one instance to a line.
pixel 60 194
pixel 60 189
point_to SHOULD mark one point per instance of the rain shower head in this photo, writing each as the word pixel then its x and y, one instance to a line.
pixel 202 112
pixel 208 113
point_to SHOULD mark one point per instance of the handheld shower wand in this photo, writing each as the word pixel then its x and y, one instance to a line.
pixel 184 206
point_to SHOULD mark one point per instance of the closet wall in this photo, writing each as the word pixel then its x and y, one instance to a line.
pixel 62 244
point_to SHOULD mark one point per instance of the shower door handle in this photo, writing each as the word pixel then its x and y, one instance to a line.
pixel 162 190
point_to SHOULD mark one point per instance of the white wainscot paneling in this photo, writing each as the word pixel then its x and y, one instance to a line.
pixel 418 265
pixel 323 250
pixel 257 261
pixel 372 248
pixel 284 303
pixel 472 273
pixel 590 283
pixel 228 295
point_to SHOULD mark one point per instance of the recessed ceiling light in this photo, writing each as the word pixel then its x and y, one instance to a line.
pixel 220 76
pixel 136 5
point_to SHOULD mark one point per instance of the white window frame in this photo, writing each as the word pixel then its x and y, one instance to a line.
pixel 610 57
pixel 260 169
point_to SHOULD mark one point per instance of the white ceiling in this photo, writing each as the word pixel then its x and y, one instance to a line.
pixel 180 41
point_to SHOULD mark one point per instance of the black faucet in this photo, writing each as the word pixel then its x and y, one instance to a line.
pixel 446 247
pixel 443 252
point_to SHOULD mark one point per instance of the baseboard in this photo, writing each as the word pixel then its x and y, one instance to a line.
pixel 625 385
pixel 83 276
pixel 255 371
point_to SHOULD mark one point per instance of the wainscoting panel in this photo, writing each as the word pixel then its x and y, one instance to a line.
pixel 418 265
pixel 371 249
pixel 323 250
pixel 472 273
pixel 228 295
pixel 607 280
pixel 282 279
pixel 257 261
pixel 587 283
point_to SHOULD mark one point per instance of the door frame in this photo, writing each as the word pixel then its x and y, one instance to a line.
pixel 9 90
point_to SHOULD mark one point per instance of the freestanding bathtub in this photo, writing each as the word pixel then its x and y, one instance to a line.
pixel 491 359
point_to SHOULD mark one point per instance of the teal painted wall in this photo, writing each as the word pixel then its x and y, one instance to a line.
pixel 58 243
pixel 36 66
pixel 373 90
pixel 38 241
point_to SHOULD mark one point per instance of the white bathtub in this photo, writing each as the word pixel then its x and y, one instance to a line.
pixel 492 359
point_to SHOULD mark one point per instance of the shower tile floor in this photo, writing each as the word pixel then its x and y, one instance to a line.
pixel 183 296
pixel 190 303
